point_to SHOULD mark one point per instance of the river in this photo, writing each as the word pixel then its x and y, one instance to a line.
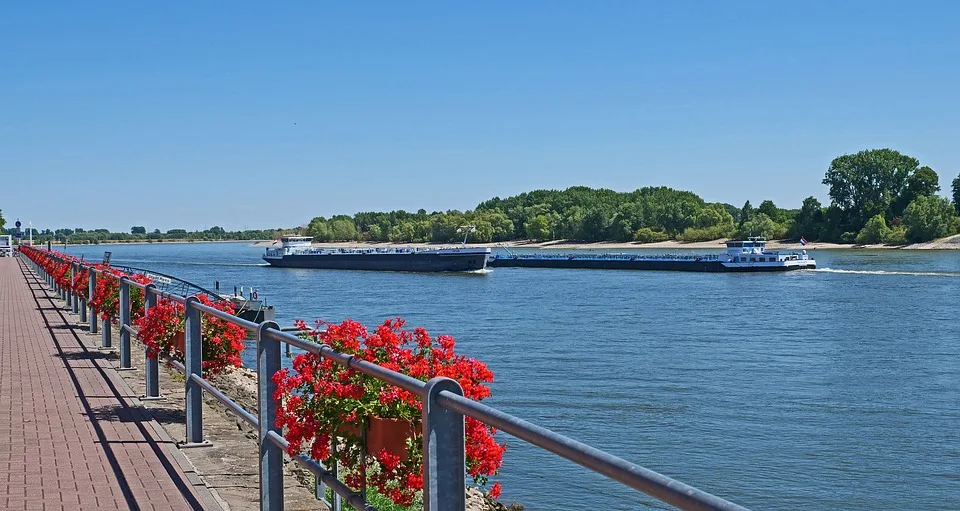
pixel 837 388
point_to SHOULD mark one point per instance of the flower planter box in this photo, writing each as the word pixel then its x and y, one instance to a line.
pixel 384 433
pixel 180 342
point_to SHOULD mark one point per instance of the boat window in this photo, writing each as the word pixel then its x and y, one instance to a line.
pixel 753 259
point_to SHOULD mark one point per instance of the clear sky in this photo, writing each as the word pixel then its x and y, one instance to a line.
pixel 257 115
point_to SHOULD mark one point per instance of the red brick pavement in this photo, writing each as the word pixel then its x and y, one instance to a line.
pixel 69 436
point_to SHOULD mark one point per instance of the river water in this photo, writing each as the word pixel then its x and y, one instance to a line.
pixel 837 388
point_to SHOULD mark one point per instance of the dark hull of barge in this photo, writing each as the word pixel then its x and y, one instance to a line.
pixel 708 266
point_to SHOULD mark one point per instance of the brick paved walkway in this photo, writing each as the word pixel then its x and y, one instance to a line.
pixel 70 437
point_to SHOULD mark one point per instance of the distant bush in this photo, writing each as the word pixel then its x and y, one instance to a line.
pixel 875 231
pixel 647 235
pixel 848 237
pixel 896 236
pixel 707 234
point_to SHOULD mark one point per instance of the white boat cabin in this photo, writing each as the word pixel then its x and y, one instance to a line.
pixel 290 245
pixel 753 252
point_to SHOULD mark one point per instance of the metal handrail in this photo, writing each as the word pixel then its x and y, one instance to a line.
pixel 444 407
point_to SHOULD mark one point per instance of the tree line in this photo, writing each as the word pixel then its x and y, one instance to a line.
pixel 139 233
pixel 877 196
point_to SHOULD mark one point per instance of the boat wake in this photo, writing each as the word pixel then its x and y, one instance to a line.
pixel 890 272
pixel 483 271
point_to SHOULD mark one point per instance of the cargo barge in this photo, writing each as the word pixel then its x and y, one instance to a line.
pixel 298 252
pixel 741 256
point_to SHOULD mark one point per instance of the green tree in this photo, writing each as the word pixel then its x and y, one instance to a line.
pixel 746 213
pixel 808 221
pixel 319 229
pixel 342 228
pixel 734 212
pixel 928 218
pixel 871 182
pixel 539 228
pixel 770 209
pixel 762 225
pixel 376 233
pixel 956 196
pixel 138 229
pixel 924 182
pixel 2 221
pixel 875 231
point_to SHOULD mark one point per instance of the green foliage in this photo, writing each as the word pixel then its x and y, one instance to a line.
pixel 896 236
pixel 768 208
pixel 2 221
pixel 746 213
pixel 539 228
pixel 734 212
pixel 928 218
pixel 342 228
pixel 137 229
pixel 955 187
pixel 95 236
pixel 867 183
pixel 808 221
pixel 647 235
pixel 706 234
pixel 875 231
pixel 873 182
pixel 762 225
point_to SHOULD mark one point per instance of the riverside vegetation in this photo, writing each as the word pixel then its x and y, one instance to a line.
pixel 876 196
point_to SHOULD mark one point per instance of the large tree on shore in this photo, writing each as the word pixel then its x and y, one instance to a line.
pixel 808 221
pixel 876 181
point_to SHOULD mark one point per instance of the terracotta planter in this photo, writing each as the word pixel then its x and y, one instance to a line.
pixel 180 342
pixel 383 433
pixel 389 434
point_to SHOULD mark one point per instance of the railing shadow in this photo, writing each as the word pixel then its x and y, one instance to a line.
pixel 86 355
pixel 121 413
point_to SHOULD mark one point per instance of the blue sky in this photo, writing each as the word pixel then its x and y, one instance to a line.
pixel 248 115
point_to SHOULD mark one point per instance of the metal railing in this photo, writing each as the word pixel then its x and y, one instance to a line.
pixel 444 409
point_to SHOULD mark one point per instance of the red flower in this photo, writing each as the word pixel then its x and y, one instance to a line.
pixel 321 399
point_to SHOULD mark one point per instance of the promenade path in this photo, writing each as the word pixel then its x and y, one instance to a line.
pixel 72 435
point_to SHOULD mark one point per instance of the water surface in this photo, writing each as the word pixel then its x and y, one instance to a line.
pixel 830 389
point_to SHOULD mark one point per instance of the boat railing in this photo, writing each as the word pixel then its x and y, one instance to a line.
pixel 623 257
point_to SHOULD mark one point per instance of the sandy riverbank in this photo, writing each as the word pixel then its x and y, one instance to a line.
pixel 952 242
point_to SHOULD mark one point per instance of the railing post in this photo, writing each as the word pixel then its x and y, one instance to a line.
pixel 83 301
pixel 91 291
pixel 106 333
pixel 75 298
pixel 193 367
pixel 124 323
pixel 152 370
pixel 271 456
pixel 443 451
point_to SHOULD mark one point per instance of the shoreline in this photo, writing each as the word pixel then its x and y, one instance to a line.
pixel 146 242
pixel 948 243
